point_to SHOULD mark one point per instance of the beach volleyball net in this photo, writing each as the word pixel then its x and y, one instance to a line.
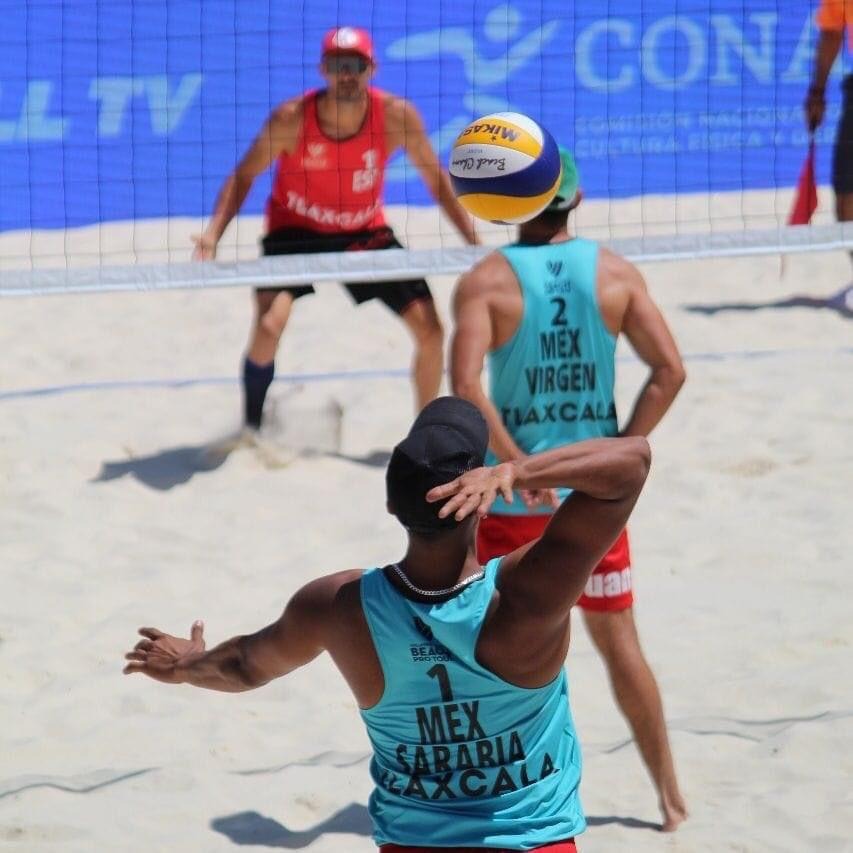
pixel 119 123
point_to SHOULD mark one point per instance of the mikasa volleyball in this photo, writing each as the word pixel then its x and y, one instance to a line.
pixel 505 168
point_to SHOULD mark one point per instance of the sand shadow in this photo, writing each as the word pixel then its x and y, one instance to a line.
pixel 81 783
pixel 251 828
pixel 165 469
pixel 841 303
pixel 629 822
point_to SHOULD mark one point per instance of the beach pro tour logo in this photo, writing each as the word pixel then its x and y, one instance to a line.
pixel 555 268
pixel 430 651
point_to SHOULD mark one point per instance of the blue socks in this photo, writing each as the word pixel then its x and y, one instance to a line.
pixel 256 381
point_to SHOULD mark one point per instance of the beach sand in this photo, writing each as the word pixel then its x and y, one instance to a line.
pixel 113 516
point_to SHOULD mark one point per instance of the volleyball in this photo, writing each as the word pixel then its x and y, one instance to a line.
pixel 505 168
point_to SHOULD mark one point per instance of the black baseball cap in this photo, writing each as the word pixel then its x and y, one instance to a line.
pixel 448 437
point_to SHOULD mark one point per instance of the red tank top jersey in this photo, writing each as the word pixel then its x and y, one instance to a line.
pixel 332 185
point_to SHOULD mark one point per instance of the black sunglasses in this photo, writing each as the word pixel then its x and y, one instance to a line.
pixel 346 64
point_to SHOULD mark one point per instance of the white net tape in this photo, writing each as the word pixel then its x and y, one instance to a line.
pixel 397 264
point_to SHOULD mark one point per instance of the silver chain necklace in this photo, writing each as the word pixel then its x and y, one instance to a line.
pixel 435 593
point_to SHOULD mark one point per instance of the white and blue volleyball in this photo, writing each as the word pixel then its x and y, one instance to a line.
pixel 505 168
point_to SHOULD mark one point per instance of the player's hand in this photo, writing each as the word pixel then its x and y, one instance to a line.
pixel 161 656
pixel 533 498
pixel 474 491
pixel 205 247
pixel 814 107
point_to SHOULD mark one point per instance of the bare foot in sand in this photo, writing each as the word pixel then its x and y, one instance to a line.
pixel 674 813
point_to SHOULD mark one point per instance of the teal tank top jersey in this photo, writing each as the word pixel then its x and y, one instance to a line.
pixel 462 758
pixel 552 382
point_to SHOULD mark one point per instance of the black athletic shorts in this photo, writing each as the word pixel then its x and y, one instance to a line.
pixel 397 295
pixel 842 160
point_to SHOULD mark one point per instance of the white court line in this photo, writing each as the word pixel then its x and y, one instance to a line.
pixel 359 375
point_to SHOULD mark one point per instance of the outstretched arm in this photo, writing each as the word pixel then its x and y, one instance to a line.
pixel 243 662
pixel 277 134
pixel 419 150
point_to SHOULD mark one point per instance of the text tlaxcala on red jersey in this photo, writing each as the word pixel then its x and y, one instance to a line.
pixel 330 185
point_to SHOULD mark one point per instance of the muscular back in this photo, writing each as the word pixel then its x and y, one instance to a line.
pixel 495 280
pixel 337 608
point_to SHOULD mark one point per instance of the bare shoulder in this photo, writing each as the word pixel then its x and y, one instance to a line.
pixel 288 114
pixel 616 269
pixel 323 596
pixel 398 110
pixel 618 280
pixel 489 274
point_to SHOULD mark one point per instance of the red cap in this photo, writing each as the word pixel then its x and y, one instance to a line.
pixel 348 40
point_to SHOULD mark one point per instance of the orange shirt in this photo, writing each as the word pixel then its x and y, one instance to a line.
pixel 836 15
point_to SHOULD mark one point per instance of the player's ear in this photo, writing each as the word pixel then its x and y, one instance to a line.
pixel 577 200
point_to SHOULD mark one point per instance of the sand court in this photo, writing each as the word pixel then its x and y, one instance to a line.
pixel 112 519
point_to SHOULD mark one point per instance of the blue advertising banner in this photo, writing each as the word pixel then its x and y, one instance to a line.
pixel 140 108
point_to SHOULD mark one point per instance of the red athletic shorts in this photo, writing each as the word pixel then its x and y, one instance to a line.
pixel 609 586
pixel 558 847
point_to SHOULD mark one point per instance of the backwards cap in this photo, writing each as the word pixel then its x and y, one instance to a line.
pixel 448 437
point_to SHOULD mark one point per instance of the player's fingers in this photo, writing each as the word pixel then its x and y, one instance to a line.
pixel 443 491
pixel 506 492
pixel 486 501
pixel 197 632
pixel 151 633
pixel 143 644
pixel 553 498
pixel 142 656
pixel 452 504
pixel 471 503
pixel 133 666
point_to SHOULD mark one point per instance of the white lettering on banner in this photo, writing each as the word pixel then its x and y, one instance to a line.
pixel 167 109
pixel 34 123
pixel 730 39
pixel 584 71
pixel 597 70
pixel 327 216
pixel 608 585
pixel 600 144
pixel 114 95
pixel 800 66
pixel 696 52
